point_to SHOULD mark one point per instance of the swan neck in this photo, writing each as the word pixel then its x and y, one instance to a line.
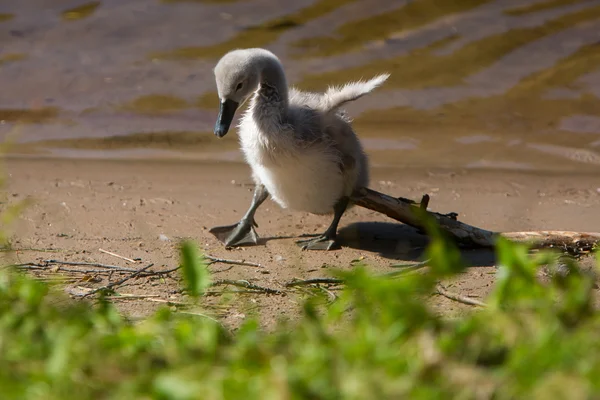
pixel 273 83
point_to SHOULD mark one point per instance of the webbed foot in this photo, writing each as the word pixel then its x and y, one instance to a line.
pixel 321 242
pixel 237 234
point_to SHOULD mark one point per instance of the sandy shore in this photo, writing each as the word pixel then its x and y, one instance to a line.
pixel 141 209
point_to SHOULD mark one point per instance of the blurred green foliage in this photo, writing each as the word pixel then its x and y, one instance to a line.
pixel 377 340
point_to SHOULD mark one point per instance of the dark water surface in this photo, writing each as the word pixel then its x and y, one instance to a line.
pixel 474 84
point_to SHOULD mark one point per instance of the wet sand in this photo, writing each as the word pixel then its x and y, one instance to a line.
pixel 142 209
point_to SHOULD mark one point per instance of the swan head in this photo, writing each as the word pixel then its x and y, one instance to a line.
pixel 237 76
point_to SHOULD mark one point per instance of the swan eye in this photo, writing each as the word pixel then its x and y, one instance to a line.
pixel 239 86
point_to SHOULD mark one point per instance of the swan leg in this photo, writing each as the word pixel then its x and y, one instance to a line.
pixel 327 241
pixel 243 232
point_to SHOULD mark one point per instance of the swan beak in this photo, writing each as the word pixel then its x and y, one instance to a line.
pixel 226 113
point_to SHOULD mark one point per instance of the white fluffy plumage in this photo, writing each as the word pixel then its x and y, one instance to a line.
pixel 299 145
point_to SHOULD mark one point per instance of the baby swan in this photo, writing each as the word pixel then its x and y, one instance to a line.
pixel 301 148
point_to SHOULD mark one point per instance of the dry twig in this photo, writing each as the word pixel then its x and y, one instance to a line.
pixel 314 281
pixel 170 302
pixel 124 296
pixel 47 267
pixel 110 253
pixel 247 285
pixel 89 264
pixel 28 266
pixel 16 250
pixel 457 297
pixel 235 262
pixel 120 282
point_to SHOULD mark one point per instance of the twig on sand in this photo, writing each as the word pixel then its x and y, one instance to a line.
pixel 124 296
pixel 110 253
pixel 90 264
pixel 235 262
pixel 170 302
pixel 47 267
pixel 439 289
pixel 314 281
pixel 16 250
pixel 403 210
pixel 28 266
pixel 247 285
pixel 168 271
pixel 118 283
pixel 403 269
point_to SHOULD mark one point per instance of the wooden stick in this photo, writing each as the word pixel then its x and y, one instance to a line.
pixel 325 281
pixel 457 297
pixel 235 262
pixel 246 285
pixel 46 267
pixel 575 242
pixel 88 264
pixel 16 250
pixel 173 302
pixel 110 253
pixel 403 210
pixel 131 296
pixel 28 266
pixel 120 282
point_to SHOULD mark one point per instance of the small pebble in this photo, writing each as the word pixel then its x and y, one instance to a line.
pixel 163 237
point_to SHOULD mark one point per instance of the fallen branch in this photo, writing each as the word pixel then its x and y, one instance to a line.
pixel 110 253
pixel 168 271
pixel 213 260
pixel 58 280
pixel 315 281
pixel 28 266
pixel 234 262
pixel 330 295
pixel 89 264
pixel 47 267
pixel 403 210
pixel 123 296
pixel 118 283
pixel 16 250
pixel 246 285
pixel 170 302
pixel 457 297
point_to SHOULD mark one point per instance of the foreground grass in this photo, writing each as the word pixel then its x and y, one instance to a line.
pixel 378 339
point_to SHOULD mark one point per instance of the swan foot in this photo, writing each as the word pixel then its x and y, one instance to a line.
pixel 237 234
pixel 327 241
pixel 322 242
pixel 243 232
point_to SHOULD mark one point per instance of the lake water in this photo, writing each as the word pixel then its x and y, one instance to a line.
pixel 474 83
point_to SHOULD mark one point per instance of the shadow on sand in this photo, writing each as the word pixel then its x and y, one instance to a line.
pixel 400 242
